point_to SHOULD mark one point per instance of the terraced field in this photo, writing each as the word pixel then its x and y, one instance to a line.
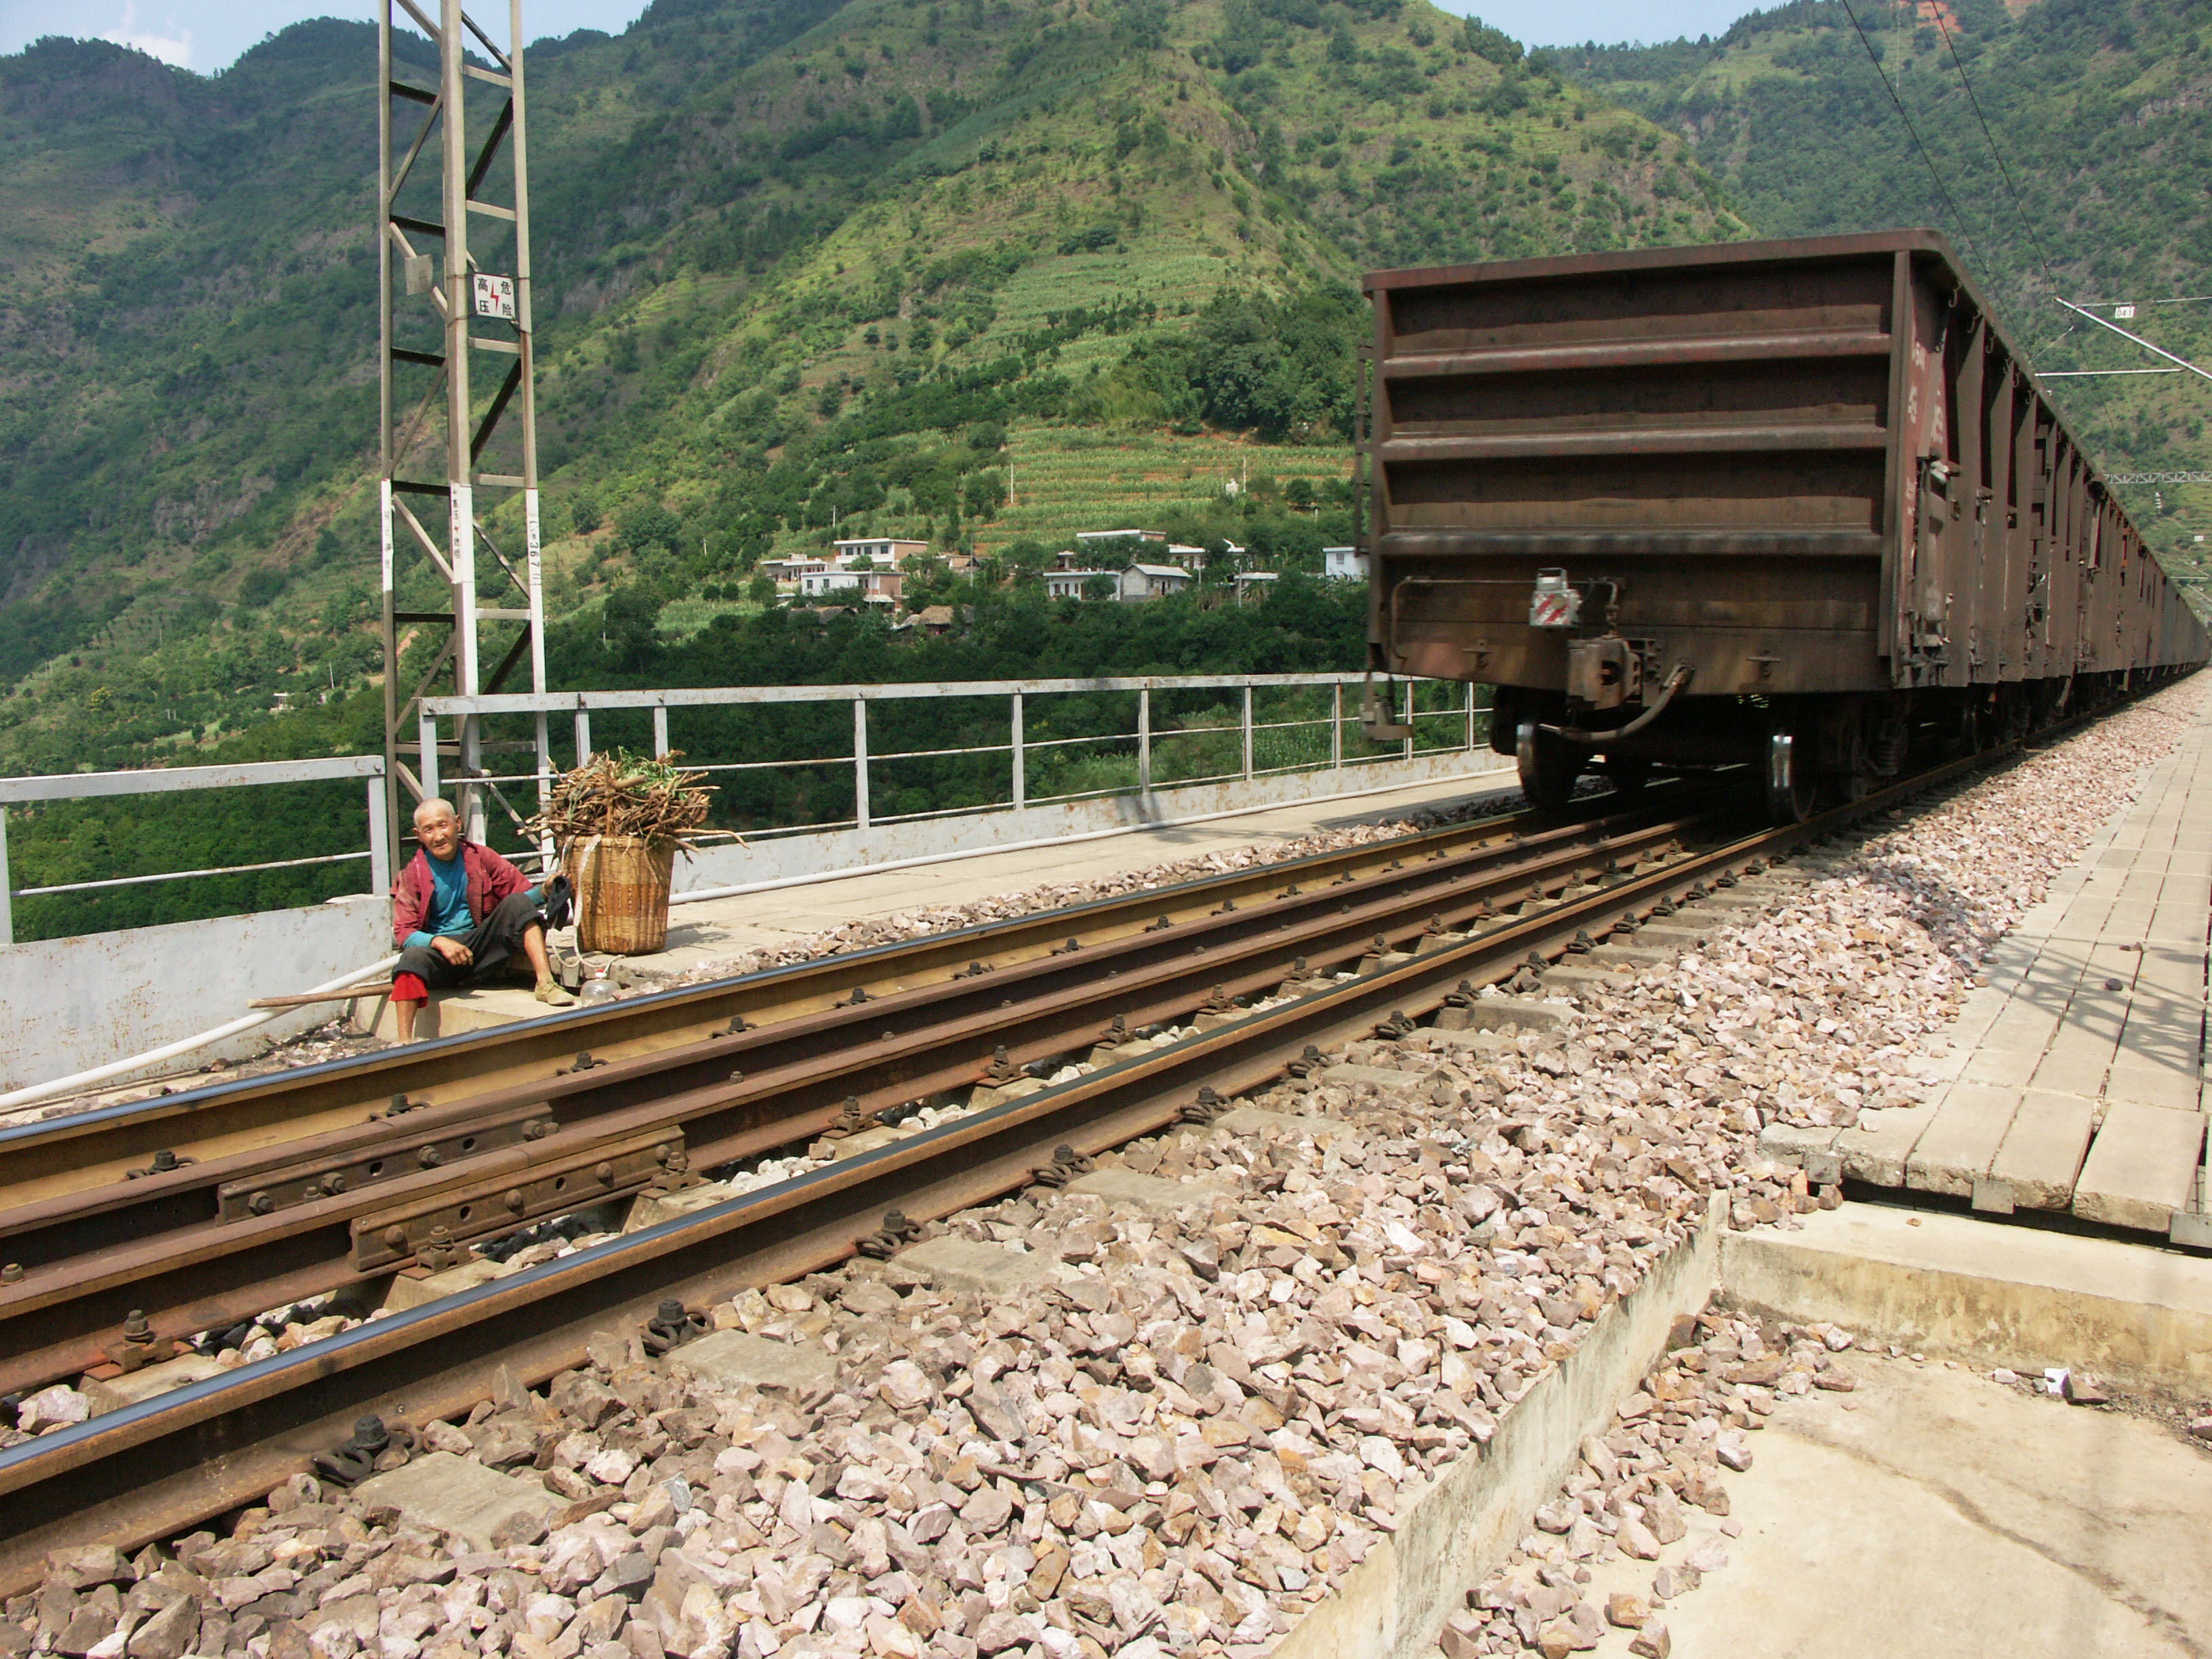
pixel 1063 474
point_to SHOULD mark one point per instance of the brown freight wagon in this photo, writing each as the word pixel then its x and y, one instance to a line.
pixel 1793 503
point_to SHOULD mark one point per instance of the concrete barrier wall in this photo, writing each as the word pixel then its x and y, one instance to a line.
pixel 786 858
pixel 98 998
pixel 1473 1513
pixel 77 1003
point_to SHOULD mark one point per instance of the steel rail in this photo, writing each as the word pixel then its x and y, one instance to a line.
pixel 63 1154
pixel 156 1468
pixel 167 1247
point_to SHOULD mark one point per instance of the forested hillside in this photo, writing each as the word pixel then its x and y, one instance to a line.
pixel 984 272
pixel 887 265
pixel 2067 151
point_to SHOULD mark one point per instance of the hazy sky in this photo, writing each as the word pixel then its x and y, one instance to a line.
pixel 208 34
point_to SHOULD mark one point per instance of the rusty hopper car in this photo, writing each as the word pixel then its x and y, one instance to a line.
pixel 1792 503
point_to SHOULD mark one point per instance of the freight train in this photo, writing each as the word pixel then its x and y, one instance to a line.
pixel 1795 504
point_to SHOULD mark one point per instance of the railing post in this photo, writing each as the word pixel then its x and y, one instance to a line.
pixel 545 849
pixel 583 736
pixel 1248 734
pixel 660 730
pixel 426 731
pixel 1336 726
pixel 7 908
pixel 1470 717
pixel 380 848
pixel 1409 720
pixel 1145 740
pixel 860 763
pixel 1021 776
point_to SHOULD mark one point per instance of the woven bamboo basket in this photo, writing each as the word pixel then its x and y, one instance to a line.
pixel 622 893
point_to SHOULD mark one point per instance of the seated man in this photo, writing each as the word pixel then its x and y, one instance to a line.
pixel 459 910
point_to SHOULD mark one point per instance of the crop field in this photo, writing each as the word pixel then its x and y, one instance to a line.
pixel 1070 478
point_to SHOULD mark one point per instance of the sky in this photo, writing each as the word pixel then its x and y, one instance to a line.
pixel 208 35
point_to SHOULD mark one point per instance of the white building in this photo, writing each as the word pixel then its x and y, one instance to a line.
pixel 871 584
pixel 1066 583
pixel 1149 581
pixel 1253 585
pixel 1344 564
pixel 1092 538
pixel 788 572
pixel 884 550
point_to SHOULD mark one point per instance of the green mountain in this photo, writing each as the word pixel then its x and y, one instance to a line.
pixel 2063 144
pixel 987 271
pixel 982 270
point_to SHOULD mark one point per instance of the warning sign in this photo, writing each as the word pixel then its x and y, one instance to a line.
pixel 1551 610
pixel 496 297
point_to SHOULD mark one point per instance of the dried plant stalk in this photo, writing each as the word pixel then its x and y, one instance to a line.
pixel 651 799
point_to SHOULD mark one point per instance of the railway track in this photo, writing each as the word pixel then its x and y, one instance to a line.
pixel 249 1214
pixel 201 1233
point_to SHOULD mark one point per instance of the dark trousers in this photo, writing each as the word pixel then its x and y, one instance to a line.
pixel 494 939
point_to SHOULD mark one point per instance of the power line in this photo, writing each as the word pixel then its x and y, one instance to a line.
pixel 2042 255
pixel 1958 217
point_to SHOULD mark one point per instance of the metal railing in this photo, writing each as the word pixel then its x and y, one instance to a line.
pixel 1252 744
pixel 866 762
pixel 85 786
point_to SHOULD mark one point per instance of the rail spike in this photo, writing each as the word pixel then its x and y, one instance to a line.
pixel 1206 1109
pixel 888 1240
pixel 671 1327
pixel 1067 1165
pixel 353 1461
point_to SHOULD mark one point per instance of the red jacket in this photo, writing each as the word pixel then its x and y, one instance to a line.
pixel 491 879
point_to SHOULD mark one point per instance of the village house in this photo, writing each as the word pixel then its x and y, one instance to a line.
pixel 1091 538
pixel 1343 564
pixel 884 550
pixel 887 585
pixel 1150 582
pixel 1068 583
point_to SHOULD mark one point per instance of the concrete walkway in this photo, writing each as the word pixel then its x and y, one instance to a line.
pixel 718 930
pixel 1933 1511
pixel 2075 1080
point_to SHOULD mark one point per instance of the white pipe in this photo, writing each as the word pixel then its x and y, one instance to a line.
pixel 99 1074
pixel 771 885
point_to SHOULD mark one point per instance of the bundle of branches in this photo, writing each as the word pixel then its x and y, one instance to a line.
pixel 619 793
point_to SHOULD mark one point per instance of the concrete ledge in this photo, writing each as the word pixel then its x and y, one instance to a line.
pixel 1964 1289
pixel 98 998
pixel 1467 1519
pixel 830 853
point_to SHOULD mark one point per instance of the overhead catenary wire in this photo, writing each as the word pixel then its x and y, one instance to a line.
pixel 2020 209
pixel 1958 216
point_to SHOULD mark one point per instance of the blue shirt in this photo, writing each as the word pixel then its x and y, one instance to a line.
pixel 449 900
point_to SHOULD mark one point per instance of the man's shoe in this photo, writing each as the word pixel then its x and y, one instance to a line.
pixel 554 995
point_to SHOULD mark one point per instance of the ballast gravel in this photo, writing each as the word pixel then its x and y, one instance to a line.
pixel 1195 1421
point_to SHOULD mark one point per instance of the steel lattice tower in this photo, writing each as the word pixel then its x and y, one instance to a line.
pixel 437 306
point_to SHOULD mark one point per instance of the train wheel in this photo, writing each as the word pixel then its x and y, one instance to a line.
pixel 1792 786
pixel 1548 767
pixel 1626 776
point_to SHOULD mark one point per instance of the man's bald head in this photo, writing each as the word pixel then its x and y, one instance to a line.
pixel 437 827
